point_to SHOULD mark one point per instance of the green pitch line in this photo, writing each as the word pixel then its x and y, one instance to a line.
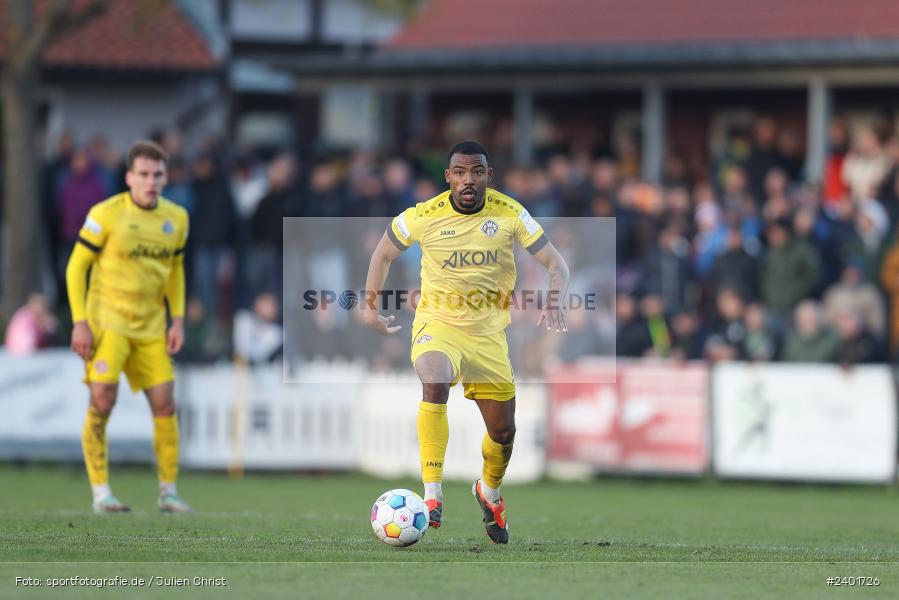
pixel 613 536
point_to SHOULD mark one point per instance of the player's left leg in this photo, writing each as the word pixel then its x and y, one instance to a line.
pixel 490 382
pixel 110 351
pixel 165 445
pixel 436 361
pixel 496 448
pixel 149 368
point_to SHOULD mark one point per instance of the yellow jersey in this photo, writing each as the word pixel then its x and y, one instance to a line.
pixel 137 249
pixel 468 262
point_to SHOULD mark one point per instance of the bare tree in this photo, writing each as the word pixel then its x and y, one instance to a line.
pixel 28 33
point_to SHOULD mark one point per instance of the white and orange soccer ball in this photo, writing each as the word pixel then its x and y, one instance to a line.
pixel 399 517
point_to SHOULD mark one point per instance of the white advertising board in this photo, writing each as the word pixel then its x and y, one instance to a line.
pixel 806 422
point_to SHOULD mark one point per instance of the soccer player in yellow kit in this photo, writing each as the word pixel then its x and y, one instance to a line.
pixel 467 237
pixel 133 245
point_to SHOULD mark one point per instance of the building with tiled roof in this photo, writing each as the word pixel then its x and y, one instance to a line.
pixel 127 72
pixel 124 39
pixel 673 72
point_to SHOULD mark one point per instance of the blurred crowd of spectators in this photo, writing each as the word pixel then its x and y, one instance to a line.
pixel 743 262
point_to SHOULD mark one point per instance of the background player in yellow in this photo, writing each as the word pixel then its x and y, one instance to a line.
pixel 133 245
pixel 467 236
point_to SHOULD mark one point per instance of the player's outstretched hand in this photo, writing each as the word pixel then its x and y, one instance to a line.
pixel 82 339
pixel 175 338
pixel 554 319
pixel 379 323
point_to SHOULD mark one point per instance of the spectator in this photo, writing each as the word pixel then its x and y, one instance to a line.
pixel 889 280
pixel 866 166
pixel 688 338
pixel 324 196
pixel 736 267
pixel 711 236
pixel 266 227
pixel 762 157
pixel 809 340
pixel 857 345
pixel 567 194
pixel 888 194
pixel 632 336
pixel 854 293
pixel 863 243
pixel 399 187
pixel 205 341
pixel 82 187
pixel 760 343
pixel 109 164
pixel 212 234
pixel 789 154
pixel 729 328
pixel 667 269
pixel 257 334
pixel 248 185
pixel 835 189
pixel 790 270
pixel 179 188
pixel 652 309
pixel 31 327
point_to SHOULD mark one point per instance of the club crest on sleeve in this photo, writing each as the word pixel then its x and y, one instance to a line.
pixel 423 339
pixel 168 228
pixel 490 228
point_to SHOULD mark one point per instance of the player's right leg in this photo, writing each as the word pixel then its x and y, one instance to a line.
pixel 435 369
pixel 96 449
pixel 101 374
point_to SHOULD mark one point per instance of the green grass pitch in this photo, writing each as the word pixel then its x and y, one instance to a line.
pixel 308 536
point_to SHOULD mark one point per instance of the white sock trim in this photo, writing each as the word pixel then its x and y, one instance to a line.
pixel 434 491
pixel 166 489
pixel 101 491
pixel 490 494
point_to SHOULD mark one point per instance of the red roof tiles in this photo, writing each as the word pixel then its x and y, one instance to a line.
pixel 118 39
pixel 467 24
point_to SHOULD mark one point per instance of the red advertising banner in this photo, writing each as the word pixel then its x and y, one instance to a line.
pixel 652 417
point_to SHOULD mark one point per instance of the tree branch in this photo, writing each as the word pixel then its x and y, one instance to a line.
pixel 58 21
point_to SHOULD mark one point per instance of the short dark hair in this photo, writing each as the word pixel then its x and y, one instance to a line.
pixel 146 149
pixel 468 147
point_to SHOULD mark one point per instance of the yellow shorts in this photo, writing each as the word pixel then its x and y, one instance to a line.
pixel 144 361
pixel 481 363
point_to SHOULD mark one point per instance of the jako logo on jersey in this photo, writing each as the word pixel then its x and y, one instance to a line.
pixel 490 228
pixel 467 258
pixel 141 251
pixel 423 339
pixel 447 232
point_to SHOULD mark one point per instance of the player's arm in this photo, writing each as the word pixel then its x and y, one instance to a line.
pixel 174 295
pixel 386 252
pixel 553 312
pixel 91 239
pixel 76 285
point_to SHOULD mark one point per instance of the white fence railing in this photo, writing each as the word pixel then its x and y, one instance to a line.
pixel 805 422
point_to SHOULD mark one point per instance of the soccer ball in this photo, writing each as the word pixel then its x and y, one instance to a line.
pixel 399 517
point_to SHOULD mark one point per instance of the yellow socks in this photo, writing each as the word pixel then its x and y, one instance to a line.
pixel 433 435
pixel 496 459
pixel 96 455
pixel 165 445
